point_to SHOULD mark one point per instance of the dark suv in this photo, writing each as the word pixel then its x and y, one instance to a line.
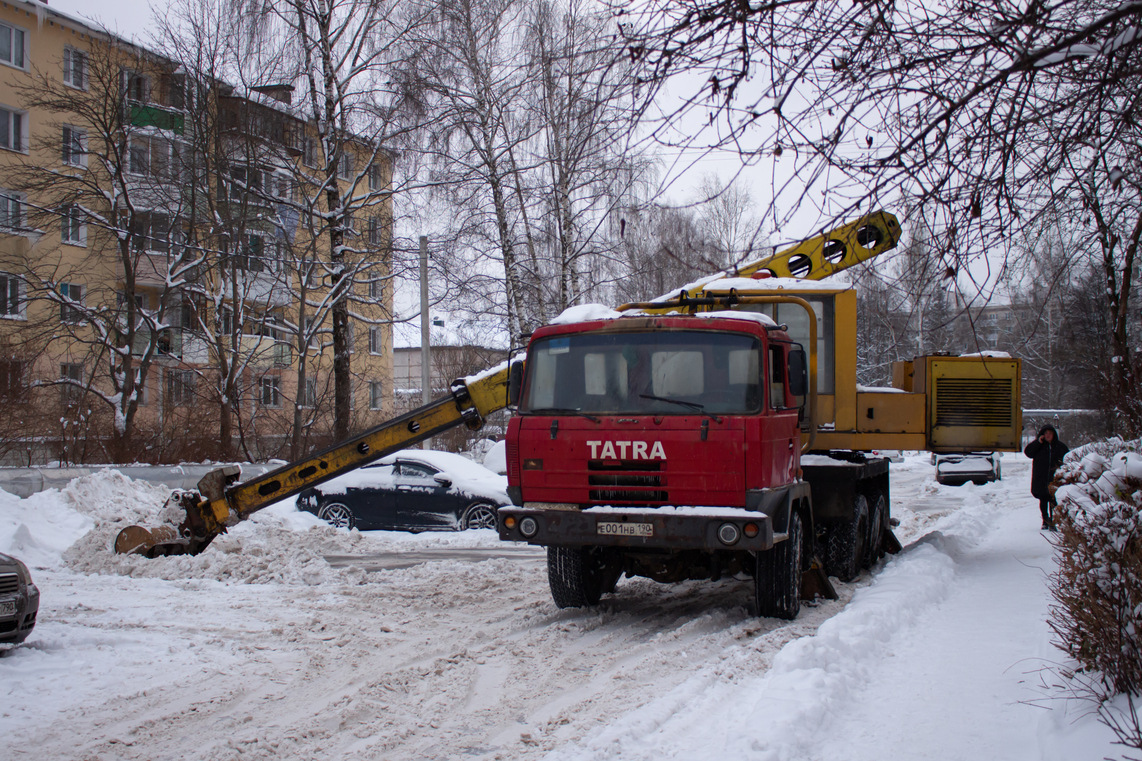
pixel 19 601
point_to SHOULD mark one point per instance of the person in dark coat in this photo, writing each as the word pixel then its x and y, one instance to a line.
pixel 1046 453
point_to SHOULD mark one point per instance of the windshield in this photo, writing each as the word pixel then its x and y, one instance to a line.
pixel 662 373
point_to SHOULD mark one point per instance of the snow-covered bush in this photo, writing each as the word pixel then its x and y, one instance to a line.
pixel 1098 585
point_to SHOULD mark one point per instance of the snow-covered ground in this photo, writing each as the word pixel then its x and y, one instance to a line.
pixel 261 649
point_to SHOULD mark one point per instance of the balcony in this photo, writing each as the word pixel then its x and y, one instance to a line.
pixel 151 115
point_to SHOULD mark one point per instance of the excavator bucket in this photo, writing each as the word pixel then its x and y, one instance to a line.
pixel 168 540
pixel 151 542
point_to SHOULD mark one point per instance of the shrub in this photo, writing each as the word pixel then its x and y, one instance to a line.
pixel 1098 584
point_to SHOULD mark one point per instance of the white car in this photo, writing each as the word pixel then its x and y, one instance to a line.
pixel 977 467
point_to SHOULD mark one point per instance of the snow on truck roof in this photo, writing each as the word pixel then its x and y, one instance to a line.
pixel 591 312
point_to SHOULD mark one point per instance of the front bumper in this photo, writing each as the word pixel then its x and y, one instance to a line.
pixel 16 630
pixel 639 528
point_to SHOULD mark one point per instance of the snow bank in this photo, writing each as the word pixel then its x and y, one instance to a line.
pixel 765 718
pixel 75 528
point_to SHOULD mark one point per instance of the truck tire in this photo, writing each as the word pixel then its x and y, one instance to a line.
pixel 575 577
pixel 777 576
pixel 878 526
pixel 845 543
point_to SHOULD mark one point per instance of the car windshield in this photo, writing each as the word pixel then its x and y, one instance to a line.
pixel 683 372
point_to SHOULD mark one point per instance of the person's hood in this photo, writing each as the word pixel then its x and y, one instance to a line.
pixel 1050 428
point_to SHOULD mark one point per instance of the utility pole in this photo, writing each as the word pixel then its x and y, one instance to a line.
pixel 425 335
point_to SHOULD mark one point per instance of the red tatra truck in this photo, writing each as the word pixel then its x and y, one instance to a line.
pixel 668 442
pixel 663 446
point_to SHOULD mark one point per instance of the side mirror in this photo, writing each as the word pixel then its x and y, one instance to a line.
pixel 798 372
pixel 443 481
pixel 515 383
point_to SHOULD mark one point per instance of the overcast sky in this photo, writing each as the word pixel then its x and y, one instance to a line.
pixel 129 18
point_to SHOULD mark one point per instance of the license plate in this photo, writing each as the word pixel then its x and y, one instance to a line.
pixel 625 529
pixel 7 608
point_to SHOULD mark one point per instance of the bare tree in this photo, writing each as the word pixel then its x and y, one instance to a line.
pixel 345 54
pixel 106 273
pixel 727 215
pixel 988 115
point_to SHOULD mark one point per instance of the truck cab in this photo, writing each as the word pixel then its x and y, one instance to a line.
pixel 664 446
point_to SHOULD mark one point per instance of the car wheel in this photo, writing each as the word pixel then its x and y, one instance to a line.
pixel 336 514
pixel 479 515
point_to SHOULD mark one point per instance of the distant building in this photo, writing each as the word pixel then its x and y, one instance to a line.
pixel 120 175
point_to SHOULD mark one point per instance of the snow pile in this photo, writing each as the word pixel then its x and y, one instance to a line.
pixel 75 527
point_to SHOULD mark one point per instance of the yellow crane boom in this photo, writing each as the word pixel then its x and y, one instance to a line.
pixel 221 501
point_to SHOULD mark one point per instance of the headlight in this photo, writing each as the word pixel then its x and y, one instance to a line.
pixel 23 572
pixel 728 534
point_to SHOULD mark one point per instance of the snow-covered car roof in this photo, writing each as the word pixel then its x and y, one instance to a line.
pixel 468 478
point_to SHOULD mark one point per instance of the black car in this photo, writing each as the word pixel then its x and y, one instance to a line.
pixel 19 601
pixel 411 490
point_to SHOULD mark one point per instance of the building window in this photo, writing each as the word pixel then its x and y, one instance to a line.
pixel 150 232
pixel 376 395
pixel 74 146
pixel 75 68
pixel 345 166
pixel 70 308
pixel 11 209
pixel 309 396
pixel 376 179
pixel 13 44
pixel 153 157
pixel 376 288
pixel 309 152
pixel 71 374
pixel 376 340
pixel 271 391
pixel 72 228
pixel 136 86
pixel 376 231
pixel 245 181
pixel 180 387
pixel 279 185
pixel 11 290
pixel 12 384
pixel 12 129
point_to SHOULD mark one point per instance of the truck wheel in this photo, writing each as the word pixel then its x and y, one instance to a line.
pixel 575 577
pixel 777 575
pixel 845 543
pixel 878 525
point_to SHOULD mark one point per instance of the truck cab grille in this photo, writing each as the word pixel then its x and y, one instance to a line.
pixel 627 481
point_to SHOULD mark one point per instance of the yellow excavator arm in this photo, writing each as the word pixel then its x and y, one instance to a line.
pixel 222 501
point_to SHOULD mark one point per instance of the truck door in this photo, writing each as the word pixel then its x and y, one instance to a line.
pixel 782 434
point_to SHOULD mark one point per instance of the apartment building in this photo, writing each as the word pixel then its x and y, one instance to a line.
pixel 168 255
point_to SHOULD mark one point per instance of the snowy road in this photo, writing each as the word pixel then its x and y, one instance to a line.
pixel 262 649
